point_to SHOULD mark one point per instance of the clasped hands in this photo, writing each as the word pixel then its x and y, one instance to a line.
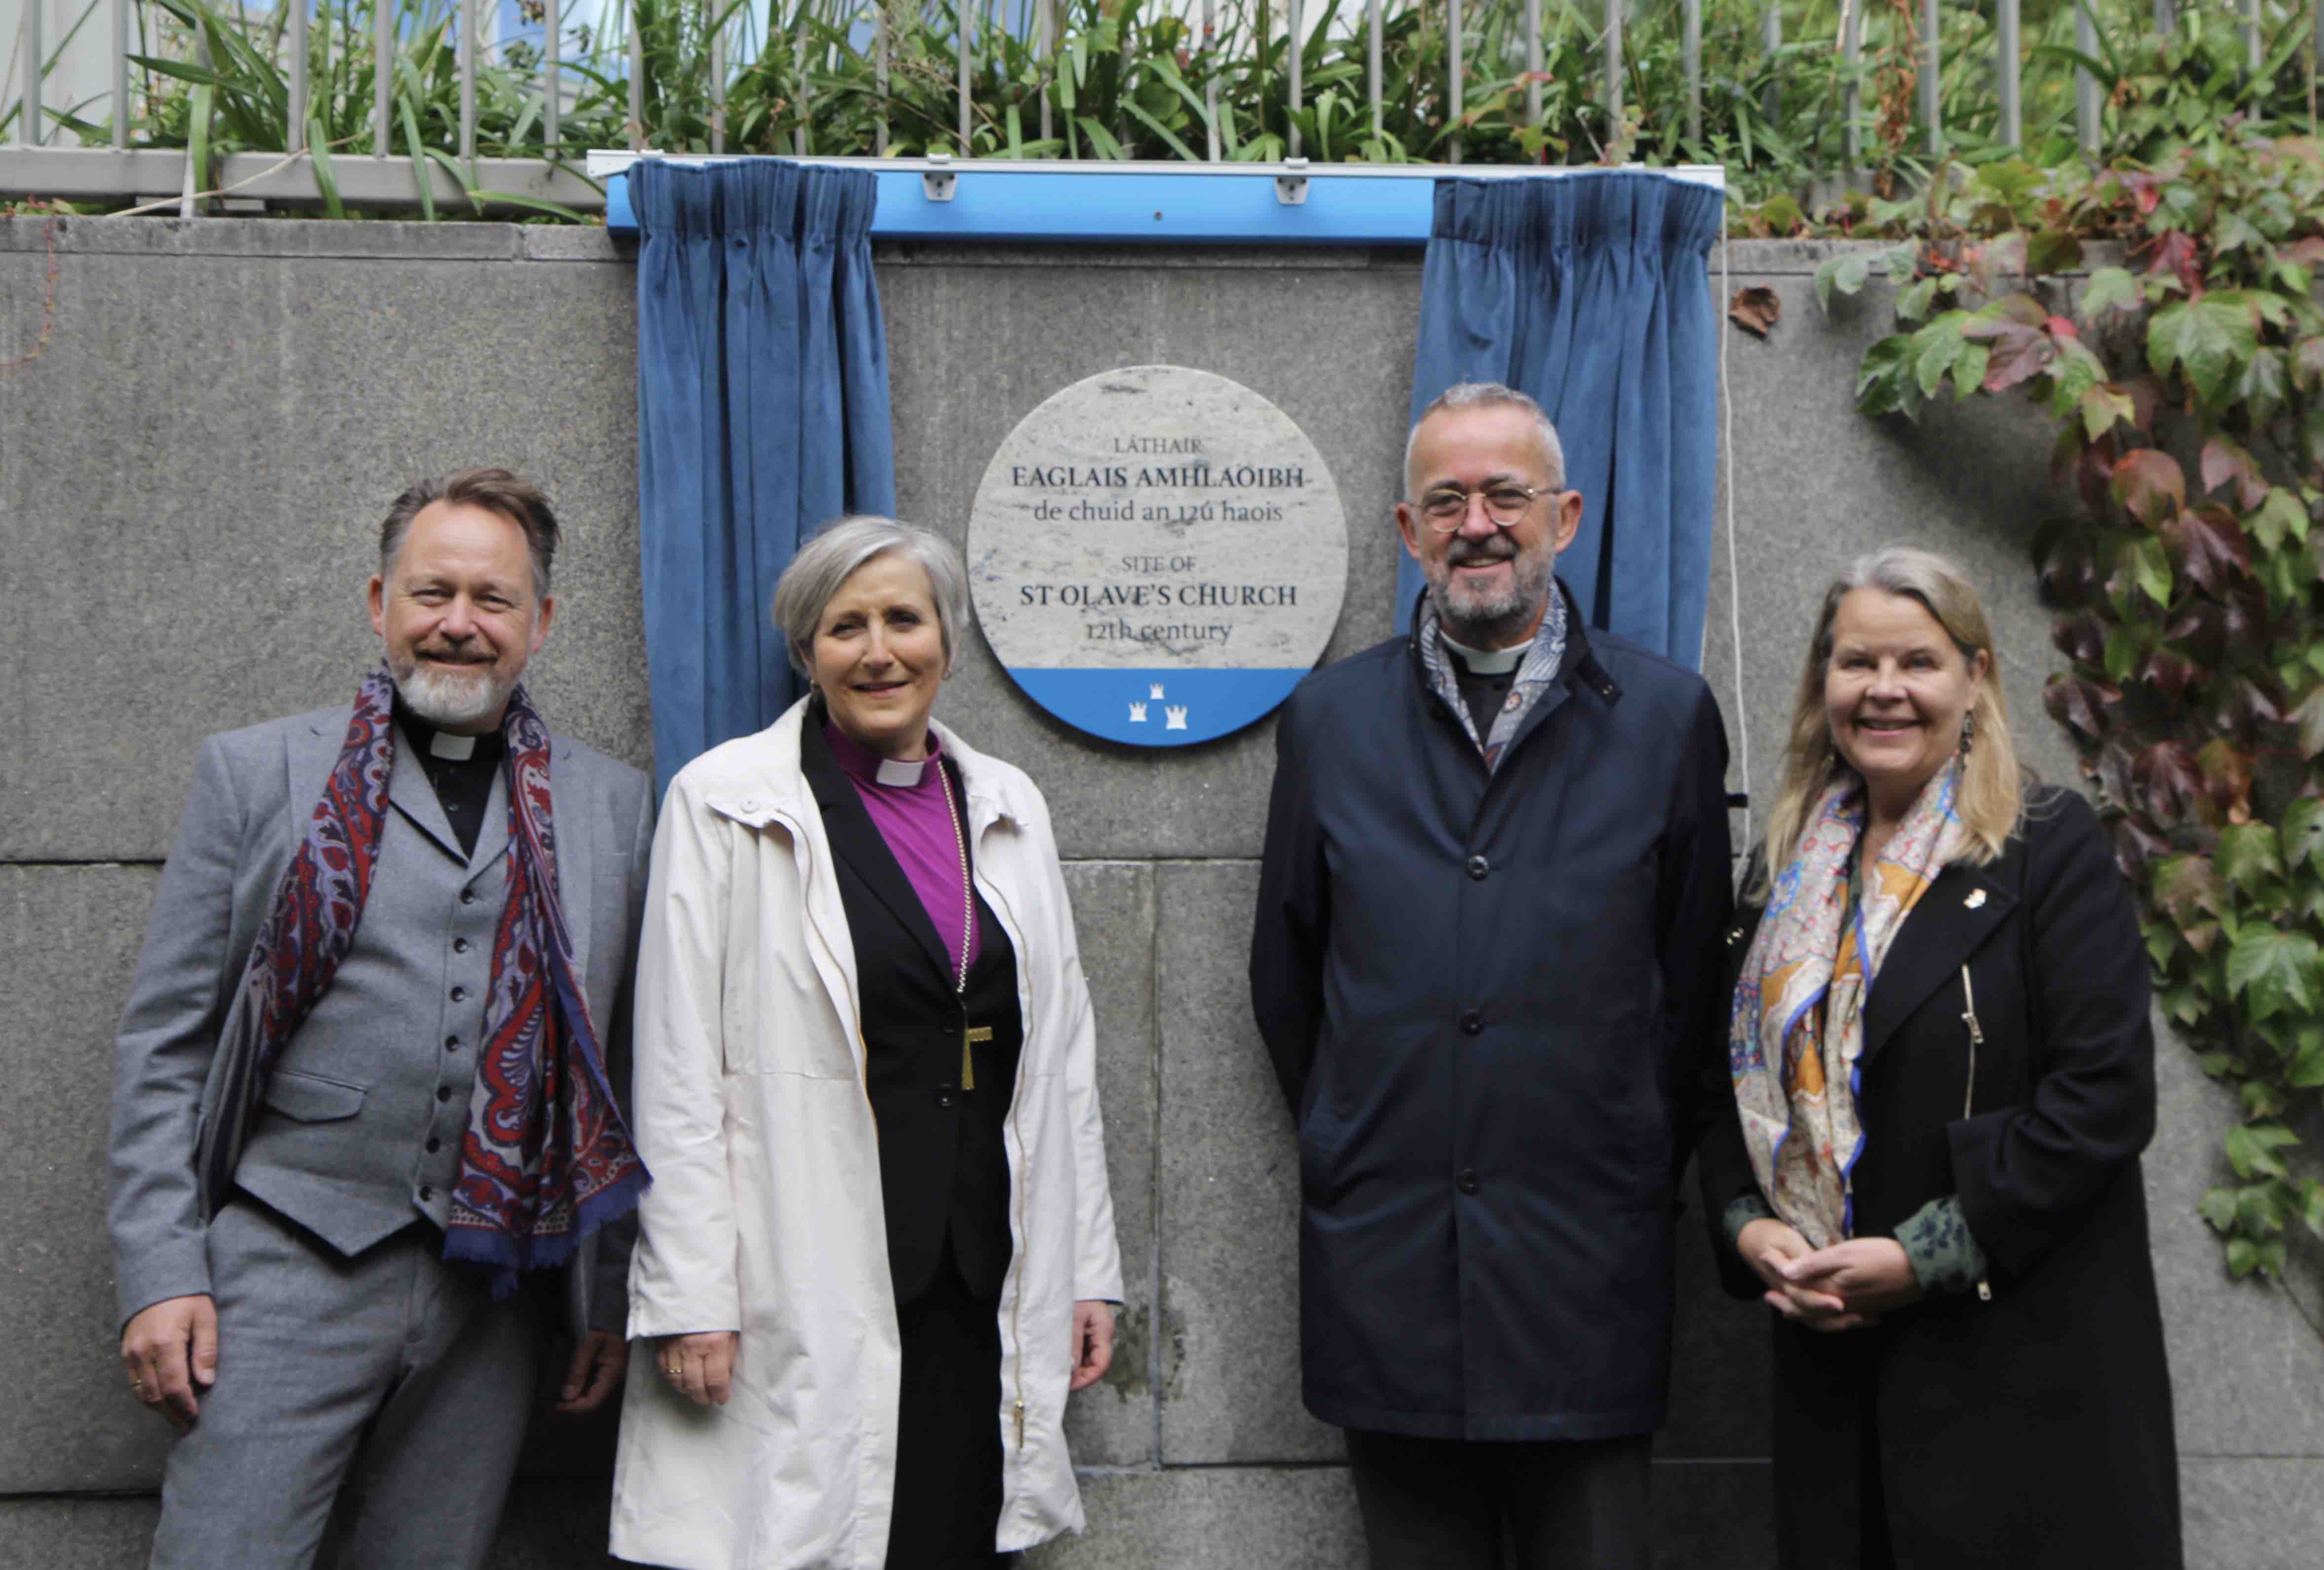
pixel 1847 1286
pixel 700 1366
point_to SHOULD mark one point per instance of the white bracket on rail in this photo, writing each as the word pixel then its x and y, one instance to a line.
pixel 938 184
pixel 1291 186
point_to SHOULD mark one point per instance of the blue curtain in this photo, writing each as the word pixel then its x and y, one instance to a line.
pixel 1592 294
pixel 762 414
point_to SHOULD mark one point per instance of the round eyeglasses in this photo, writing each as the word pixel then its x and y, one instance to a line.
pixel 1446 508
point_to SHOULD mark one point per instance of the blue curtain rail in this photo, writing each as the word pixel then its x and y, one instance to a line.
pixel 994 199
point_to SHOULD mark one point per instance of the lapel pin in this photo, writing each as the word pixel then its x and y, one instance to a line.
pixel 1975 898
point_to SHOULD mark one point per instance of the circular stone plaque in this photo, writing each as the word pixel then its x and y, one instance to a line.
pixel 1157 554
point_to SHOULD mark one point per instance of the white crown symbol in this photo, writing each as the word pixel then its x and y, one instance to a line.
pixel 1177 715
pixel 1138 714
pixel 1154 690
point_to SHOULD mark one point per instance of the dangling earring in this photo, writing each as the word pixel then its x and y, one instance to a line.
pixel 1968 732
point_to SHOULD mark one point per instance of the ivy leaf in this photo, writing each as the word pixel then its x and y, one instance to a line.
pixel 1969 370
pixel 2175 256
pixel 2225 459
pixel 2103 407
pixel 2212 543
pixel 2312 1204
pixel 2308 363
pixel 2302 832
pixel 2170 672
pixel 2242 1257
pixel 2307 1070
pixel 2168 782
pixel 1882 378
pixel 2269 969
pixel 1846 273
pixel 2077 703
pixel 2248 853
pixel 1756 310
pixel 2078 371
pixel 2277 518
pixel 2151 484
pixel 2207 340
pixel 2219 1208
pixel 1934 348
pixel 2054 251
pixel 2226 778
pixel 2259 1209
pixel 2252 1148
pixel 2109 289
pixel 2187 888
pixel 2260 388
pixel 2018 353
pixel 1912 305
pixel 2125 645
pixel 2150 570
pixel 2310 717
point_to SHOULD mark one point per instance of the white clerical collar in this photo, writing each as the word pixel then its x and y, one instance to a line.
pixel 900 771
pixel 1487 661
pixel 450 745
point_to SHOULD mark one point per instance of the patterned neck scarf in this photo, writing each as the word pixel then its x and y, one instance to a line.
pixel 1543 657
pixel 1795 1030
pixel 546 1159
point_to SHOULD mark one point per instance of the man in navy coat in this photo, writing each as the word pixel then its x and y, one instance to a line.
pixel 1487 964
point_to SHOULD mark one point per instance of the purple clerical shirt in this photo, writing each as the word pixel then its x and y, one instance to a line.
pixel 915 819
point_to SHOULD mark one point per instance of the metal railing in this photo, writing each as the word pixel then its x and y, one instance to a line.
pixel 30 162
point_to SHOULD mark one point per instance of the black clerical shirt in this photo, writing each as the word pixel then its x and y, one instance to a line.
pixel 464 786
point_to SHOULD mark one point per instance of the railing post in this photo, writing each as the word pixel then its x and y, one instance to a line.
pixel 880 71
pixel 1049 30
pixel 383 75
pixel 1211 72
pixel 27 66
pixel 637 81
pixel 1614 69
pixel 295 133
pixel 1851 60
pixel 960 15
pixel 553 83
pixel 1931 100
pixel 2166 16
pixel 1297 88
pixel 468 80
pixel 2086 86
pixel 798 46
pixel 1456 69
pixel 1372 65
pixel 1690 51
pixel 717 78
pixel 2007 64
pixel 1533 63
pixel 2254 54
pixel 1771 38
pixel 122 75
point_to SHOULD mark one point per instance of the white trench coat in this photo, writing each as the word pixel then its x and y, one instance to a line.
pixel 764 1214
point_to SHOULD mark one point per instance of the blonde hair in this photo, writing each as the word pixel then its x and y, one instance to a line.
pixel 1993 788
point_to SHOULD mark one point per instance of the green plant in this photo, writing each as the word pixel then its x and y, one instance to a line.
pixel 2187 575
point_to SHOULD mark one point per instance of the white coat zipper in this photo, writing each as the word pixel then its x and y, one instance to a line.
pixel 1969 1091
pixel 1016 1099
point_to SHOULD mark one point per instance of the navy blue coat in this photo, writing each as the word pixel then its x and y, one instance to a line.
pixel 1483 995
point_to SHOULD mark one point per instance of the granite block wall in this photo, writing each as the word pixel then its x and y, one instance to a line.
pixel 191 468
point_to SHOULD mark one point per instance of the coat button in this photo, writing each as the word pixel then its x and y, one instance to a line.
pixel 451 1043
pixel 1467 1182
pixel 1473 1024
pixel 468 896
pixel 443 1092
pixel 459 946
pixel 459 994
pixel 433 1145
pixel 1479 867
pixel 943 1098
pixel 426 1193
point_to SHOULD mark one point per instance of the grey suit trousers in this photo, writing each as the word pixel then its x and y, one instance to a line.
pixel 367 1409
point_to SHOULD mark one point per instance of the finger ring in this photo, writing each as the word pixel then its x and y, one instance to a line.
pixel 136 1384
pixel 673 1371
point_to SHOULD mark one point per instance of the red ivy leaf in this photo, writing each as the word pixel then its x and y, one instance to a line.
pixel 2062 327
pixel 2201 631
pixel 2175 253
pixel 2227 778
pixel 2079 703
pixel 2225 459
pixel 2150 484
pixel 2134 846
pixel 2169 783
pixel 2079 638
pixel 2020 353
pixel 2211 542
pixel 2187 888
pixel 2170 673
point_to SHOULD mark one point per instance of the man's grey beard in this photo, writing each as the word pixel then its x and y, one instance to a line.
pixel 1483 620
pixel 445 700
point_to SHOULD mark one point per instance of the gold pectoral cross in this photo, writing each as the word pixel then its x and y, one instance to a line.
pixel 969 1037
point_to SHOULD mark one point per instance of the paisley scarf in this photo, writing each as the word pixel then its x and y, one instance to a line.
pixel 1795 1028
pixel 546 1159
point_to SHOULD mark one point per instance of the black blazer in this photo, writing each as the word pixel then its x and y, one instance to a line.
pixel 943 1170
pixel 2034 1429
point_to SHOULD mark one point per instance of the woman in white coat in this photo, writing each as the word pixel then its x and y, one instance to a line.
pixel 878 1249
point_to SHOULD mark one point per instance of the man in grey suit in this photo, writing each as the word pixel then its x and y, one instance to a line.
pixel 365 1146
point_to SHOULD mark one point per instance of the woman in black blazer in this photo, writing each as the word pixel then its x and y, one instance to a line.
pixel 1942 1069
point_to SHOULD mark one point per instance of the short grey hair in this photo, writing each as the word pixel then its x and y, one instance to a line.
pixel 831 558
pixel 1490 395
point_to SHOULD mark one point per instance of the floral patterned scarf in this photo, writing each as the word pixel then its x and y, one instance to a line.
pixel 1795 1030
pixel 546 1159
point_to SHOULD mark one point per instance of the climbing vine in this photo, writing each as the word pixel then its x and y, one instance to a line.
pixel 2185 569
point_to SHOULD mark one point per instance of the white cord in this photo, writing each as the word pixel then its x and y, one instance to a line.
pixel 1734 567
